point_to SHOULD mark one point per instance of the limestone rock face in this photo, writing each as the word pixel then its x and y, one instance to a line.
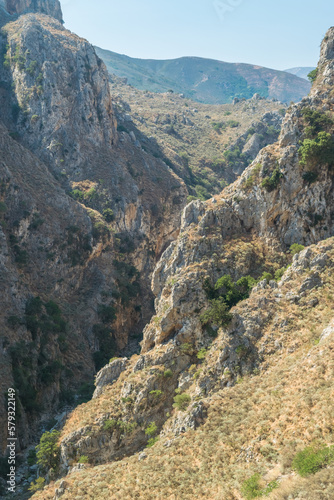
pixel 109 374
pixel 49 7
pixel 295 211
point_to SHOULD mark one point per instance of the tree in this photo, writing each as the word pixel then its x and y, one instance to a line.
pixel 48 451
pixel 218 314
pixel 312 76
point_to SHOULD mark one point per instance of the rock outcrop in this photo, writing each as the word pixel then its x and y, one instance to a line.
pixel 49 7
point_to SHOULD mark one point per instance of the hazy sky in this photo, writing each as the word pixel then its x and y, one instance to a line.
pixel 279 34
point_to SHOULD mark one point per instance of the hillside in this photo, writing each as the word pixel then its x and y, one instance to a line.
pixel 208 146
pixel 205 80
pixel 231 396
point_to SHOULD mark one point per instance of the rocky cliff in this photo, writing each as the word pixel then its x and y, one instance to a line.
pixel 86 213
pixel 207 338
pixel 49 7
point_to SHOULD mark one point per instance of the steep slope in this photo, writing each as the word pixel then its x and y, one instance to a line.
pixel 205 80
pixel 282 352
pixel 83 231
pixel 203 350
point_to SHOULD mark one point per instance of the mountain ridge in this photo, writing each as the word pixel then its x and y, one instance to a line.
pixel 205 80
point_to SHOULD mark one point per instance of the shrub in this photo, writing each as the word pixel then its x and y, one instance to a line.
pixel 83 460
pixel 312 459
pixel 310 176
pixel 48 451
pixel 3 207
pixel 233 123
pixel 279 273
pixel 312 76
pixel 110 425
pixel 218 314
pixel 266 276
pixel 201 353
pixel 151 430
pixel 317 151
pixel 181 401
pixel 316 121
pixel 296 248
pixel 108 215
pixel 271 183
pixel 168 373
pixel 156 393
pixel 218 126
pixel 186 348
pixel 107 313
pixel 151 442
pixel 251 488
pixel 250 181
pixel 37 485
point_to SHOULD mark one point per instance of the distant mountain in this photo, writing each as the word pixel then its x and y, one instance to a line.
pixel 301 72
pixel 205 80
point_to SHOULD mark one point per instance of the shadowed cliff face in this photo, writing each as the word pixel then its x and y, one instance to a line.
pixel 49 7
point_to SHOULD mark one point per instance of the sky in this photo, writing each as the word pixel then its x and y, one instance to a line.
pixel 277 34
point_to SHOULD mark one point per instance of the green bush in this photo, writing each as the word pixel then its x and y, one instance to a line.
pixel 37 485
pixel 201 353
pixel 217 314
pixel 279 273
pixel 317 151
pixel 151 442
pixel 251 488
pixel 168 373
pixel 108 215
pixel 310 176
pixel 271 183
pixel 218 126
pixel 151 430
pixel 312 76
pixel 266 276
pixel 312 459
pixel 296 248
pixel 181 401
pixel 316 121
pixel 110 425
pixel 83 460
pixel 233 123
pixel 3 207
pixel 156 393
pixel 48 451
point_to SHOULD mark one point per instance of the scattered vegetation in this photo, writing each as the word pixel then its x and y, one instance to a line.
pixel 313 458
pixel 252 488
pixel 270 183
pixel 296 248
pixel 181 401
